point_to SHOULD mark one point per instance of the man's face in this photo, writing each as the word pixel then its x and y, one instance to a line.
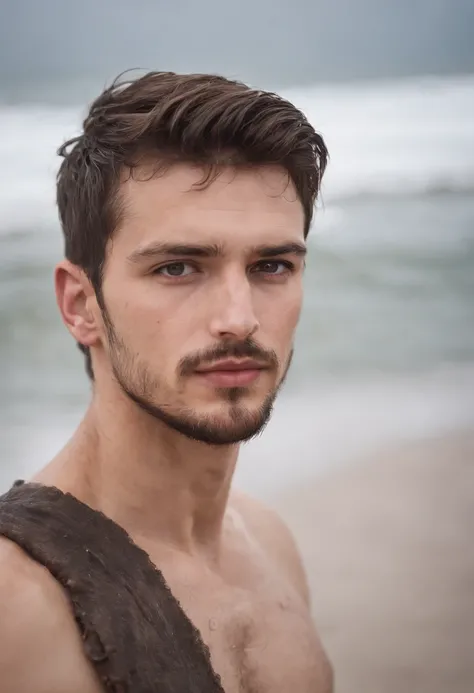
pixel 200 279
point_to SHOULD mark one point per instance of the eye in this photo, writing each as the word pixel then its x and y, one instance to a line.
pixel 273 267
pixel 175 270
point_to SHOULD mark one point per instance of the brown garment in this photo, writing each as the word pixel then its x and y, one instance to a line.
pixel 135 633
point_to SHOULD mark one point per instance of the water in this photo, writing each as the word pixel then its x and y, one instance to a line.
pixel 385 348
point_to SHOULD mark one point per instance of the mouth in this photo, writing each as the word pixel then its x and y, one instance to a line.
pixel 232 373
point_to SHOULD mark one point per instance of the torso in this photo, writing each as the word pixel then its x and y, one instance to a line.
pixel 250 613
pixel 257 626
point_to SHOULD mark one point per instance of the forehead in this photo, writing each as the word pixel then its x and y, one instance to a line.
pixel 240 207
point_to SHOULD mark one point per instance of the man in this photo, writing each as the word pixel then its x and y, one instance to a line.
pixel 185 205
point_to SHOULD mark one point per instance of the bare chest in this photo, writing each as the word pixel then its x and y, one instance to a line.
pixel 260 640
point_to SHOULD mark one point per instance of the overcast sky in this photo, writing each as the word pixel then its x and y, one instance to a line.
pixel 274 42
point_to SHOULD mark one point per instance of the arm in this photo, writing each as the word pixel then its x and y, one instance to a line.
pixel 41 649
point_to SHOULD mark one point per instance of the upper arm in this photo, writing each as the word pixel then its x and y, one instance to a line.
pixel 41 649
pixel 277 540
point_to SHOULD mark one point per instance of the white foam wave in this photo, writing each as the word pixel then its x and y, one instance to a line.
pixel 29 138
pixel 411 137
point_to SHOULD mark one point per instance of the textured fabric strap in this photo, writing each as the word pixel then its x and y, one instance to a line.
pixel 135 633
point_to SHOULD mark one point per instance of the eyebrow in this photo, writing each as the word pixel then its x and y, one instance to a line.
pixel 284 249
pixel 212 250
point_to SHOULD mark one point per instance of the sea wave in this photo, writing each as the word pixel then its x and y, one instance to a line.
pixel 412 138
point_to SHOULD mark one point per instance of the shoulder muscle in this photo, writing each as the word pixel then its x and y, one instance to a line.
pixel 276 539
pixel 41 648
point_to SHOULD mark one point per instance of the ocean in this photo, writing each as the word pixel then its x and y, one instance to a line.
pixel 385 348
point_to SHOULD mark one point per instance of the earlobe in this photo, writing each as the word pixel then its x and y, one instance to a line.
pixel 73 295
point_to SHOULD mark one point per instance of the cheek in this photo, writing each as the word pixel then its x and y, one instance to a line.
pixel 280 317
pixel 158 336
pixel 152 309
pixel 294 313
pixel 138 327
pixel 279 327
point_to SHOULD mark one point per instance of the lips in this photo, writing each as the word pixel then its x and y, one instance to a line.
pixel 232 373
pixel 229 365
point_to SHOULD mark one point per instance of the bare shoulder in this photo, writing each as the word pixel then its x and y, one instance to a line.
pixel 277 541
pixel 275 537
pixel 41 648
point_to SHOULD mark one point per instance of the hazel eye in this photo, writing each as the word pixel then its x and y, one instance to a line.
pixel 175 270
pixel 273 267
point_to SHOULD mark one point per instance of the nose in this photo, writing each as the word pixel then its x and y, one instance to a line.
pixel 232 313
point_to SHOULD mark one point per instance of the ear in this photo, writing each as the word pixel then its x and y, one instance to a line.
pixel 77 303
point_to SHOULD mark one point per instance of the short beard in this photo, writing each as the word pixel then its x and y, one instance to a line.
pixel 140 386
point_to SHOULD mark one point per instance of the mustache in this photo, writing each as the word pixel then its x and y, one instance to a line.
pixel 237 350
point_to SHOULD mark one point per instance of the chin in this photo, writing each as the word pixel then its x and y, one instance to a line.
pixel 231 420
pixel 225 416
pixel 240 417
pixel 237 426
pixel 224 399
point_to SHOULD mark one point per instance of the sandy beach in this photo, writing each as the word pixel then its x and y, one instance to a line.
pixel 389 548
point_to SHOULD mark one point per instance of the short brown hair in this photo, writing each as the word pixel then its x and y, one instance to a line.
pixel 196 118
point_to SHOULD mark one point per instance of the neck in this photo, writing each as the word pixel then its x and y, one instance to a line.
pixel 158 485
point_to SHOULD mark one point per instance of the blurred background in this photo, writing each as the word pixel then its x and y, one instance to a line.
pixel 370 454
